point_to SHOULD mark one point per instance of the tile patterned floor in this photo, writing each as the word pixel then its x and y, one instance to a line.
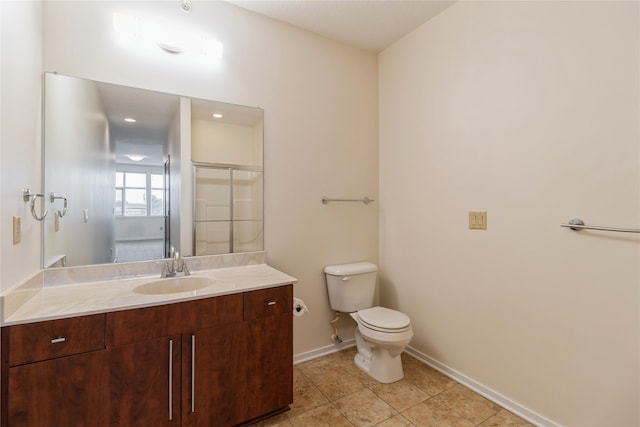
pixel 332 391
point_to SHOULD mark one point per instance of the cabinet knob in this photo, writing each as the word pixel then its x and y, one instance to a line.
pixel 271 303
pixel 58 340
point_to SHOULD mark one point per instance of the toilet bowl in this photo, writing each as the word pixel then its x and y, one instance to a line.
pixel 381 336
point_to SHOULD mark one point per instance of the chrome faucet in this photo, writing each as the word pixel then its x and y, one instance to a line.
pixel 175 265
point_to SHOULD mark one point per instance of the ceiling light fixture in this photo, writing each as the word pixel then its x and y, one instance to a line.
pixel 130 120
pixel 135 157
pixel 217 115
pixel 144 33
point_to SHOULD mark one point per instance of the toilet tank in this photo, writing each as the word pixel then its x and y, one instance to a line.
pixel 351 286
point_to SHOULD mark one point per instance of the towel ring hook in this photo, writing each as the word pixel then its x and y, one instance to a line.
pixel 52 197
pixel 27 196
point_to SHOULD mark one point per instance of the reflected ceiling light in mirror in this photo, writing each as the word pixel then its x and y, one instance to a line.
pixel 185 5
pixel 136 157
pixel 147 34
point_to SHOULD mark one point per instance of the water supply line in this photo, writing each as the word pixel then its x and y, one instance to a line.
pixel 335 337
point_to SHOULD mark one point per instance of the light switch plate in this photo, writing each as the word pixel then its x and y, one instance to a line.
pixel 478 220
pixel 17 232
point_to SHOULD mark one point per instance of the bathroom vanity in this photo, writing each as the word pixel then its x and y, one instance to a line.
pixel 218 356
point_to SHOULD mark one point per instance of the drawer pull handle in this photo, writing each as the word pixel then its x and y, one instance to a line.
pixel 58 340
pixel 271 303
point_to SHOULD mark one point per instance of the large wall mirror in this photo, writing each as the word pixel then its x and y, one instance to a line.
pixel 133 175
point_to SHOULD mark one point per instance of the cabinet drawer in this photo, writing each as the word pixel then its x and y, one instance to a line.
pixel 209 312
pixel 143 324
pixel 267 302
pixel 33 342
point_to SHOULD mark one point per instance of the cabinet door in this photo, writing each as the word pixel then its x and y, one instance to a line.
pixel 267 358
pixel 67 391
pixel 210 376
pixel 268 365
pixel 144 383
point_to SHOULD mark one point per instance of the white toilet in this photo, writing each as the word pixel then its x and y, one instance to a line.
pixel 382 333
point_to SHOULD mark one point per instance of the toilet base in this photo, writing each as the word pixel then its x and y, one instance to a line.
pixel 377 361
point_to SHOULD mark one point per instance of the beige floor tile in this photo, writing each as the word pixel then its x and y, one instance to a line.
pixel 428 379
pixel 409 361
pixel 425 397
pixel 434 414
pixel 280 420
pixel 505 418
pixel 400 394
pixel 318 366
pixel 323 416
pixel 467 403
pixel 363 408
pixel 336 383
pixel 396 421
pixel 345 357
pixel 306 396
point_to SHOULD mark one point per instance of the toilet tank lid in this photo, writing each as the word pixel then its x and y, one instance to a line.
pixel 347 269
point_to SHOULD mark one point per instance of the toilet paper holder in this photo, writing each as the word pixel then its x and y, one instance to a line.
pixel 299 307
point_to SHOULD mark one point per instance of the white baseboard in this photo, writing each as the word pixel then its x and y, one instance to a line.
pixel 322 351
pixel 492 395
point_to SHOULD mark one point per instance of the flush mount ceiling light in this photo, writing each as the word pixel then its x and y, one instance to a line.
pixel 145 33
pixel 217 115
pixel 130 120
pixel 135 157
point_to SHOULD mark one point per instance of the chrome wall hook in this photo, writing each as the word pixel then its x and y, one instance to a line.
pixel 53 197
pixel 27 196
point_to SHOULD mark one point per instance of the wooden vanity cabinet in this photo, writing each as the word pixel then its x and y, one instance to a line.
pixel 220 361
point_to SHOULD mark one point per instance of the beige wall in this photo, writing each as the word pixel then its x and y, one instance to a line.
pixel 529 111
pixel 320 103
pixel 20 82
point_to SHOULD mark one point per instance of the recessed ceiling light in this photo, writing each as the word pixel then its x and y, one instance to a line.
pixel 130 120
pixel 217 115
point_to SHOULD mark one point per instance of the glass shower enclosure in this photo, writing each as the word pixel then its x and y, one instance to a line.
pixel 227 209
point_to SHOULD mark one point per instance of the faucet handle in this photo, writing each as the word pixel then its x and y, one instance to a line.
pixel 165 267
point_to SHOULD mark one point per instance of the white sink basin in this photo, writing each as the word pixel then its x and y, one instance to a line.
pixel 174 285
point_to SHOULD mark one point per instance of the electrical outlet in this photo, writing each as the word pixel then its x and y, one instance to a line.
pixel 478 220
pixel 17 232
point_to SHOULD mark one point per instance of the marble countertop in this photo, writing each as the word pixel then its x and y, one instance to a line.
pixel 69 300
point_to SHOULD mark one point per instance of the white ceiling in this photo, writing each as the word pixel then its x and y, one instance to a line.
pixel 368 24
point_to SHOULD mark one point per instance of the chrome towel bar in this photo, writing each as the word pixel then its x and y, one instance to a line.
pixel 577 224
pixel 364 200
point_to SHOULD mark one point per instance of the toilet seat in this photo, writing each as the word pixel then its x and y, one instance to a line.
pixel 384 320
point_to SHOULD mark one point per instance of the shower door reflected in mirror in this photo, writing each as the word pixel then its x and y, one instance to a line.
pixel 227 209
